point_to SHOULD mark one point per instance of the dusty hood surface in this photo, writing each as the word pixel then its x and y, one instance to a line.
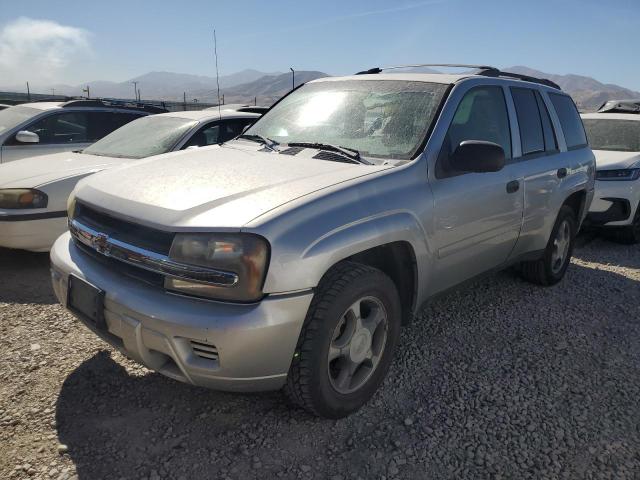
pixel 610 160
pixel 36 171
pixel 211 187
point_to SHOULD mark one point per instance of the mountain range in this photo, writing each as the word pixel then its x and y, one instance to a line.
pixel 266 87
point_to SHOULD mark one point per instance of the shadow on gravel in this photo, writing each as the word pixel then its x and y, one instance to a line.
pixel 24 277
pixel 501 380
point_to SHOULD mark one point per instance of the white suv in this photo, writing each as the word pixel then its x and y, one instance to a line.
pixel 40 128
pixel 614 135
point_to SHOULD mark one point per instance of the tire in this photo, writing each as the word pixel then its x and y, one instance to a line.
pixel 320 385
pixel 546 270
pixel 629 235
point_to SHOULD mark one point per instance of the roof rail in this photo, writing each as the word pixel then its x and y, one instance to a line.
pixel 106 103
pixel 620 106
pixel 484 70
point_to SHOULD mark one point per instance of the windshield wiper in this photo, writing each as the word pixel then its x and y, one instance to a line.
pixel 267 142
pixel 350 153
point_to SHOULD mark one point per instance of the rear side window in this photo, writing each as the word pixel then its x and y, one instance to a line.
pixel 531 134
pixel 550 141
pixel 569 120
pixel 102 124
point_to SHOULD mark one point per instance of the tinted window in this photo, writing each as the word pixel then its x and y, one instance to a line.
pixel 207 135
pixel 68 127
pixel 481 115
pixel 550 142
pixel 233 128
pixel 569 120
pixel 103 123
pixel 531 136
pixel 618 135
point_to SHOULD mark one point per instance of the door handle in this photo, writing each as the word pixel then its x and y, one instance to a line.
pixel 562 172
pixel 513 186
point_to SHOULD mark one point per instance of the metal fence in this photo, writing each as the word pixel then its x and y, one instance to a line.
pixel 15 98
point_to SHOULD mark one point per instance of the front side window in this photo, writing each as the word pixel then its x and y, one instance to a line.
pixel 380 118
pixel 13 116
pixel 481 115
pixel 151 135
pixel 61 128
pixel 207 135
pixel 569 120
pixel 610 134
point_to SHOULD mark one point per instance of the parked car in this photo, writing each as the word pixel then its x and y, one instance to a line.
pixel 615 140
pixel 3 106
pixel 291 256
pixel 34 191
pixel 241 107
pixel 42 128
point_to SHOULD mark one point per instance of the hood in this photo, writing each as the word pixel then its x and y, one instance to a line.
pixel 212 187
pixel 611 160
pixel 36 171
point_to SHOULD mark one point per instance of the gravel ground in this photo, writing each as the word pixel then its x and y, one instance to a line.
pixel 500 380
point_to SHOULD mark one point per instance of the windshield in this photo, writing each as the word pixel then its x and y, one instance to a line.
pixel 379 118
pixel 143 137
pixel 618 135
pixel 14 116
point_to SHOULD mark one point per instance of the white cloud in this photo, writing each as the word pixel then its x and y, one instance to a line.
pixel 39 49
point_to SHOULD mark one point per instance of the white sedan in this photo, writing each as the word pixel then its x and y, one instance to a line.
pixel 34 191
pixel 615 140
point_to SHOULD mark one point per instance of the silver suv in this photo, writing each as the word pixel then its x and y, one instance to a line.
pixel 291 256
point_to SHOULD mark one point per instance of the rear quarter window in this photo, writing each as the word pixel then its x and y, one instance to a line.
pixel 570 121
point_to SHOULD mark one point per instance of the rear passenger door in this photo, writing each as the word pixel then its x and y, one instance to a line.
pixel 540 164
pixel 477 215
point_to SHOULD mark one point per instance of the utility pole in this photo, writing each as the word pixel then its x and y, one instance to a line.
pixel 53 91
pixel 28 92
pixel 223 99
pixel 88 91
pixel 293 78
pixel 255 100
pixel 184 100
pixel 138 94
pixel 135 90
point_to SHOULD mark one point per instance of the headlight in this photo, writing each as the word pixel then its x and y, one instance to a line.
pixel 71 206
pixel 241 260
pixel 626 174
pixel 21 198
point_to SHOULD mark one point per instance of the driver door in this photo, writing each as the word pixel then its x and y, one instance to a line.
pixel 477 215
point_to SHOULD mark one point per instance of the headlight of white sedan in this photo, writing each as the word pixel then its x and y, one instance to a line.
pixel 234 265
pixel 22 198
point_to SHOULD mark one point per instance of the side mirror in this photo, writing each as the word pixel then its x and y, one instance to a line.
pixel 25 136
pixel 478 156
pixel 246 127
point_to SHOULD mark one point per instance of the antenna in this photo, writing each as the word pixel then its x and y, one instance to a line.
pixel 215 51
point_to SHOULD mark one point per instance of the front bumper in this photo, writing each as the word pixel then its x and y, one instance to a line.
pixel 253 344
pixel 31 232
pixel 614 203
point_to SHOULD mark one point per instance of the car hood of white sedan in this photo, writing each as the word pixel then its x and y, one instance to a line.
pixel 612 160
pixel 37 171
pixel 212 187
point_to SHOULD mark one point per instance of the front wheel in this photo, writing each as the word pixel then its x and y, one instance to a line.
pixel 550 269
pixel 347 342
pixel 630 234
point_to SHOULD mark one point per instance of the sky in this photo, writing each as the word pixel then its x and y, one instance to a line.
pixel 56 41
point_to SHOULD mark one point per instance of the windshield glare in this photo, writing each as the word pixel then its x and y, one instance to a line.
pixel 144 137
pixel 617 135
pixel 14 116
pixel 380 118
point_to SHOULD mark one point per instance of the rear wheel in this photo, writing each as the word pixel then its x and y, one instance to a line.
pixel 347 342
pixel 550 269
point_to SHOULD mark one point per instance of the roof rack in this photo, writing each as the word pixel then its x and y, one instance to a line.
pixel 620 106
pixel 484 70
pixel 106 103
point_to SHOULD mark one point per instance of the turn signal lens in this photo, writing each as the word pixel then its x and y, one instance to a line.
pixel 22 198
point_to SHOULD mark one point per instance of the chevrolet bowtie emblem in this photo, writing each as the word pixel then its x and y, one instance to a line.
pixel 100 243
